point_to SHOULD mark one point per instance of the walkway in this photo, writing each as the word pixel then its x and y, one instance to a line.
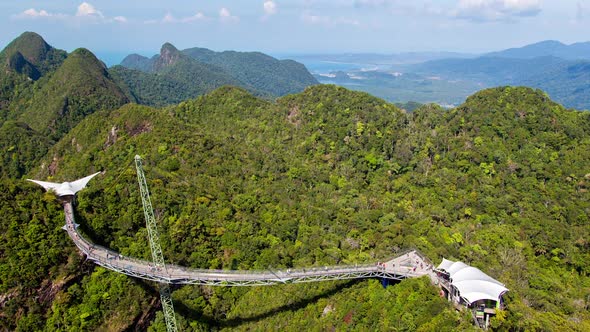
pixel 407 265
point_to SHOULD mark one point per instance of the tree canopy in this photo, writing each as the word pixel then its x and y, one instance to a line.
pixel 326 176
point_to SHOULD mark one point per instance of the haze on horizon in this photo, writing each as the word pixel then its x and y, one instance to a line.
pixel 298 26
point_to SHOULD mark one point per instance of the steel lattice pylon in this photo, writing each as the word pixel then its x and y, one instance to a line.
pixel 154 239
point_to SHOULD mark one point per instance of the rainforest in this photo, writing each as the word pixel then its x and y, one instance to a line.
pixel 241 178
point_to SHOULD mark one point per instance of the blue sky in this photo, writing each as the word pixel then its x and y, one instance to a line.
pixel 297 26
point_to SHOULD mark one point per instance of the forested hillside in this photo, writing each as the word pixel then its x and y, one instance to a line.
pixel 79 87
pixel 173 76
pixel 29 54
pixel 327 176
pixel 170 77
pixel 23 61
pixel 45 95
pixel 261 71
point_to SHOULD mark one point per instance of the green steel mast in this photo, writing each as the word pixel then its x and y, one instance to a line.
pixel 155 247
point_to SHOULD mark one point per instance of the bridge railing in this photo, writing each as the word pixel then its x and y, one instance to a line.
pixel 92 251
pixel 282 271
pixel 126 264
pixel 175 271
pixel 112 257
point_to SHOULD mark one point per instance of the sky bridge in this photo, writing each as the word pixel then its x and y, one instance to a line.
pixel 406 265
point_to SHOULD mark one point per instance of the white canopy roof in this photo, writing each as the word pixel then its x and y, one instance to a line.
pixel 445 264
pixel 66 188
pixel 472 283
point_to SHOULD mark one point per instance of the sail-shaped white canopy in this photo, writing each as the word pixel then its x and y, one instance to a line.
pixel 472 283
pixel 66 188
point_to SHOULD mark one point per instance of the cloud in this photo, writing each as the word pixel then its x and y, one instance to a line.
pixel 169 18
pixel 327 20
pixel 86 9
pixel 84 12
pixel 496 10
pixel 198 16
pixel 401 7
pixel 226 16
pixel 270 7
pixel 33 13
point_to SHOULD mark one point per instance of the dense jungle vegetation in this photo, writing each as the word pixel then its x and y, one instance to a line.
pixel 326 176
pixel 174 76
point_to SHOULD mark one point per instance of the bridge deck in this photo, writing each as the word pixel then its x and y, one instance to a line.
pixel 409 264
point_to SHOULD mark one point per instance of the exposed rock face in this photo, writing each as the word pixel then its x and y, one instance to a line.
pixel 169 55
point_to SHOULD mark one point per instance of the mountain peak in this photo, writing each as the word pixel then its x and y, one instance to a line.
pixel 31 45
pixel 192 72
pixel 30 50
pixel 133 58
pixel 80 86
pixel 168 55
pixel 86 57
pixel 548 43
pixel 83 52
pixel 137 62
pixel 167 47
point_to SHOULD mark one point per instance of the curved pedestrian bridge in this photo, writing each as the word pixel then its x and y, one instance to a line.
pixel 406 265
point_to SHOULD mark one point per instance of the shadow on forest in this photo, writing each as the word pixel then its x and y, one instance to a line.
pixel 212 322
pixel 237 321
pixel 87 232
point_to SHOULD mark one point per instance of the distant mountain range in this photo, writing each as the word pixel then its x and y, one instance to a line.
pixel 566 81
pixel 485 69
pixel 563 71
pixel 577 51
pixel 173 76
pixel 381 59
